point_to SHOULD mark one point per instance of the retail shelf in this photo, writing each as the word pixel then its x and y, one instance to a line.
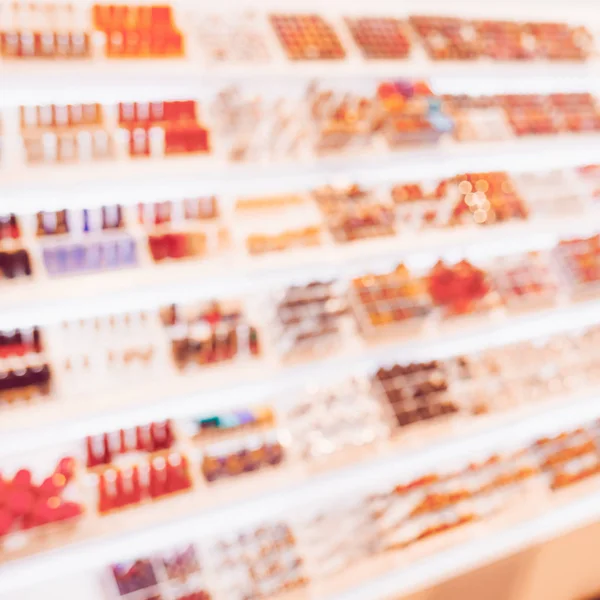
pixel 44 300
pixel 131 181
pixel 152 527
pixel 465 557
pixel 72 417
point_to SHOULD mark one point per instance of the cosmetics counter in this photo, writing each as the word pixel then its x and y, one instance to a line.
pixel 332 337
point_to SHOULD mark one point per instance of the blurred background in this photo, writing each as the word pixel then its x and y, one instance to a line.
pixel 299 300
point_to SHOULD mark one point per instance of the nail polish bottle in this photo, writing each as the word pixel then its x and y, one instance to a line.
pixel 107 491
pixel 102 144
pixel 113 444
pixel 98 452
pixel 253 342
pixel 158 477
pixel 77 258
pixel 127 252
pixel 112 217
pixel 123 487
pixel 128 440
pixel 158 248
pixel 177 472
pixel 139 144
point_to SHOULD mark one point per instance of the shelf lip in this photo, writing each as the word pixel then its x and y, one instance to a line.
pixel 68 419
pixel 385 470
pixel 86 80
pixel 466 557
pixel 47 187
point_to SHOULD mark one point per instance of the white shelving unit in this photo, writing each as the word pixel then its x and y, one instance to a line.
pixel 68 418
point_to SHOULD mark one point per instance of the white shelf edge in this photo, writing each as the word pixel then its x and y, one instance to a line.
pixel 103 80
pixel 27 190
pixel 383 471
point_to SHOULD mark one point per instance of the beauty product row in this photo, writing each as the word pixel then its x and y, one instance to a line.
pixel 65 31
pixel 239 125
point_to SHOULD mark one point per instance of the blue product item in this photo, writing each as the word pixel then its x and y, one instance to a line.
pixel 208 423
pixel 50 260
pixel 229 421
pixel 86 220
pixel 110 255
pixel 127 252
pixel 435 103
pixel 77 258
pixel 62 259
pixel 441 122
pixel 94 256
pixel 246 417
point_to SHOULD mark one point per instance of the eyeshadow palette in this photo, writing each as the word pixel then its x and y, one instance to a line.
pixel 529 114
pixel 416 392
pixel 580 263
pixel 525 281
pixel 575 112
pixel 390 303
pixel 504 40
pixel 353 213
pixel 447 38
pixel 309 320
pixel 559 41
pixel 380 37
pixel 307 37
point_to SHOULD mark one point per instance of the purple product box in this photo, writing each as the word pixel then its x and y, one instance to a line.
pixel 93 259
pixel 50 261
pixel 110 256
pixel 62 260
pixel 126 250
pixel 77 258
